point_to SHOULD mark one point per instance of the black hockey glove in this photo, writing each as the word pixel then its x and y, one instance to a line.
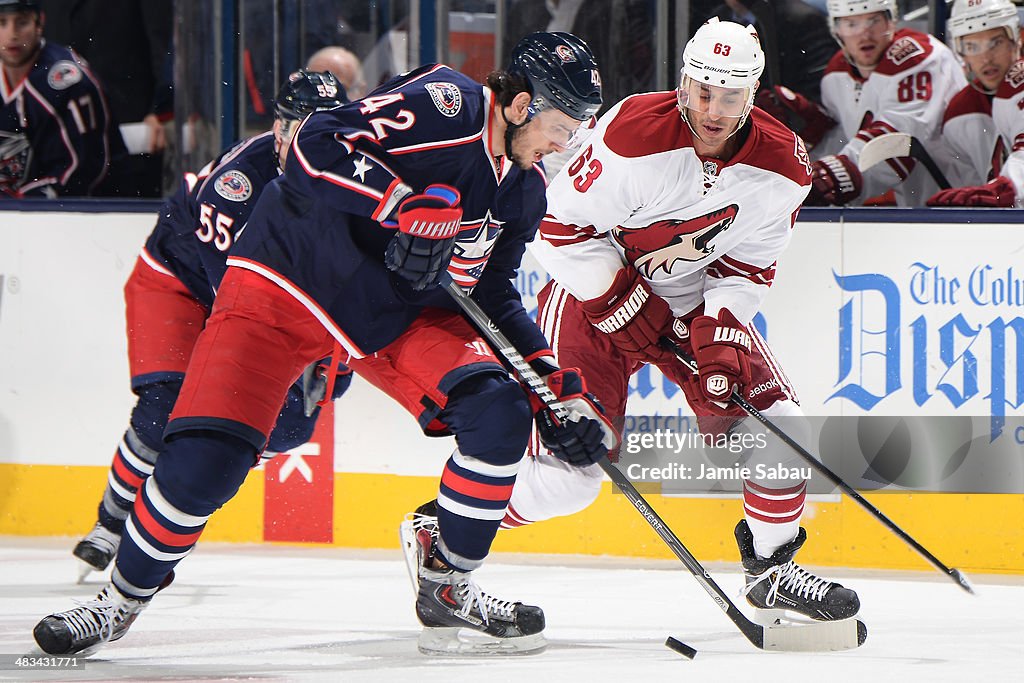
pixel 586 435
pixel 428 225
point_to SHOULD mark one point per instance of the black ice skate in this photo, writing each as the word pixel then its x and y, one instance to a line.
pixel 779 587
pixel 86 628
pixel 96 550
pixel 448 601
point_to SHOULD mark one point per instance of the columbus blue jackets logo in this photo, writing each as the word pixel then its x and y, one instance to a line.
pixel 659 245
pixel 14 154
pixel 472 249
pixel 565 53
pixel 233 185
pixel 63 75
pixel 447 98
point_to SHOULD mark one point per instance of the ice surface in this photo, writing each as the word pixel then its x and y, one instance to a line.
pixel 273 613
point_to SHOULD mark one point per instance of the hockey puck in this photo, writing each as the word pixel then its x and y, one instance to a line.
pixel 682 648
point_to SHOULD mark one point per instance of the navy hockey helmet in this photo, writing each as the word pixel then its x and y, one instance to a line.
pixel 19 6
pixel 306 92
pixel 561 71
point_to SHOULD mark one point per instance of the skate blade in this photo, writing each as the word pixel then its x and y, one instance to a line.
pixel 818 636
pixel 84 569
pixel 407 537
pixel 446 642
pixel 769 617
pixel 779 617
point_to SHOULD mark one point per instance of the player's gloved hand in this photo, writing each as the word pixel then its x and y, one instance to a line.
pixel 721 347
pixel 835 181
pixel 428 225
pixel 633 317
pixel 805 117
pixel 586 435
pixel 998 192
pixel 314 384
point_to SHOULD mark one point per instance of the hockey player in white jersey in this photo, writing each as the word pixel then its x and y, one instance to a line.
pixel 882 80
pixel 668 222
pixel 1006 189
pixel 983 122
pixel 986 35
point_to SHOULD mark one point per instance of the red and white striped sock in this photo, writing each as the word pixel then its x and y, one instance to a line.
pixel 773 514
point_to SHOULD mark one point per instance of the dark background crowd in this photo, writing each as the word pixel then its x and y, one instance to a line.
pixel 183 81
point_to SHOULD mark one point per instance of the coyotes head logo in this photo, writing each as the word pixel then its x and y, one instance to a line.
pixel 662 243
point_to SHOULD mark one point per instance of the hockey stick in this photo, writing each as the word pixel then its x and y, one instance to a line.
pixel 892 145
pixel 835 635
pixel 955 574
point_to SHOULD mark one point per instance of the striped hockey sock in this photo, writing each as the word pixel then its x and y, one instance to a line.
pixel 157 536
pixel 470 506
pixel 773 514
pixel 132 464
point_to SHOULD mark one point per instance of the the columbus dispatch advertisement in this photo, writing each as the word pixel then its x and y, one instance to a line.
pixel 869 452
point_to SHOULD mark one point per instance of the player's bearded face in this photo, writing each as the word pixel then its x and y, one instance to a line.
pixel 714 113
pixel 865 37
pixel 546 132
pixel 20 34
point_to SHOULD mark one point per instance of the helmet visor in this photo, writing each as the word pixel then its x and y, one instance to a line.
pixel 971 46
pixel 851 27
pixel 556 126
pixel 713 99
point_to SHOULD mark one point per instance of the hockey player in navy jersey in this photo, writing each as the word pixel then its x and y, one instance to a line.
pixel 430 176
pixel 170 293
pixel 56 133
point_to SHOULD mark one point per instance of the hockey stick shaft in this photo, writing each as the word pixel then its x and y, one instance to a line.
pixel 824 470
pixel 753 632
pixel 899 145
pixel 919 152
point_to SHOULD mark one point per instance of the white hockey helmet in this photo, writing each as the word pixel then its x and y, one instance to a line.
pixel 721 67
pixel 974 16
pixel 724 54
pixel 849 8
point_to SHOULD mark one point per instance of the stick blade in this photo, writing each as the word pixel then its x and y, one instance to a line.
pixel 884 147
pixel 826 636
pixel 962 580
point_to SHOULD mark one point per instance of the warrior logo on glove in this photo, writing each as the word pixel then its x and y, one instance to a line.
pixel 717 385
pixel 626 310
pixel 659 245
pixel 721 347
pixel 428 226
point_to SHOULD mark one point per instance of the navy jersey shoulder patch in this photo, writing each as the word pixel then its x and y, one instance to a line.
pixel 233 185
pixel 63 75
pixel 446 96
